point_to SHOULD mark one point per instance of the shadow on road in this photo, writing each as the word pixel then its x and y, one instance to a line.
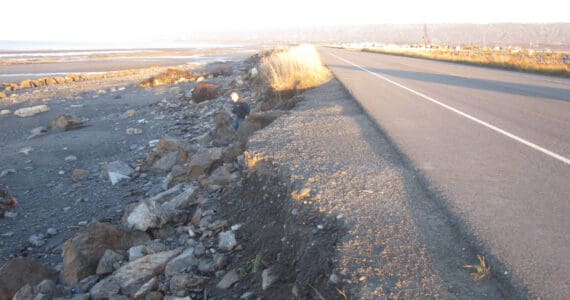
pixel 473 83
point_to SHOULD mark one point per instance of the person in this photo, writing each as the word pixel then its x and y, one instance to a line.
pixel 240 109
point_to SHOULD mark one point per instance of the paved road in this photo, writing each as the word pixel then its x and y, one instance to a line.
pixel 494 144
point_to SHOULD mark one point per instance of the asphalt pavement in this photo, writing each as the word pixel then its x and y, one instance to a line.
pixel 493 145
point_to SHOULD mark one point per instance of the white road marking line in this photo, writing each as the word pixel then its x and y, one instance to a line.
pixel 468 116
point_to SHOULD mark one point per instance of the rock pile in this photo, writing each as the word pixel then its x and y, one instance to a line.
pixel 172 243
pixel 44 81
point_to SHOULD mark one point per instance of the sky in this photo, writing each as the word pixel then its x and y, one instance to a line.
pixel 130 20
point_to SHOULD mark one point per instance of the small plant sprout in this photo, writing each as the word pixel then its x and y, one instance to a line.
pixel 256 264
pixel 482 270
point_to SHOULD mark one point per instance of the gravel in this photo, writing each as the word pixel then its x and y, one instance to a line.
pixel 399 242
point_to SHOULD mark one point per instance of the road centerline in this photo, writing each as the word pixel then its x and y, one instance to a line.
pixel 463 114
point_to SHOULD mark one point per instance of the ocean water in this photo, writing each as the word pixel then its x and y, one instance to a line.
pixel 17 46
pixel 29 59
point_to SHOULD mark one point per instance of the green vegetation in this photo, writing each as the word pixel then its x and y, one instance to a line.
pixel 482 270
pixel 525 60
pixel 295 68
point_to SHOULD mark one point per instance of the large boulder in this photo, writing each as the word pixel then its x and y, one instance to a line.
pixel 66 122
pixel 220 176
pixel 231 152
pixel 204 161
pixel 206 91
pixel 181 283
pixel 132 276
pixel 31 111
pixel 186 260
pixel 27 84
pixel 224 133
pixel 166 162
pixel 147 214
pixel 168 144
pixel 255 122
pixel 116 171
pixel 107 262
pixel 81 253
pixel 157 211
pixel 19 272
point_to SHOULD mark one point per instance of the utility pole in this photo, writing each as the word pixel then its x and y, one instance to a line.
pixel 426 36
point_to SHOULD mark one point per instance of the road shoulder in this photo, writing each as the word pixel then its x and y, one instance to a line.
pixel 399 243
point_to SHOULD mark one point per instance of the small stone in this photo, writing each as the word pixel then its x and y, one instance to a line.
pixel 294 211
pixel 88 282
pixel 26 292
pixel 146 288
pixel 5 112
pixel 37 132
pixel 153 143
pixel 134 131
pixel 25 150
pixel 180 263
pixel 206 266
pixel 136 252
pixel 66 209
pixel 248 296
pixel 199 250
pixel 37 240
pixel 334 279
pixel 47 287
pixel 83 223
pixel 7 172
pixel 84 296
pixel 51 232
pixel 71 158
pixel 10 214
pixel 105 288
pixel 107 262
pixel 228 280
pixel 61 172
pixel 227 240
pixel 236 227
pixel 180 283
pixel 220 261
pixel 79 174
pixel 270 276
pixel 301 194
pixel 130 113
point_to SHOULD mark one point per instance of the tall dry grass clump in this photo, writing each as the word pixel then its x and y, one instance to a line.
pixel 295 68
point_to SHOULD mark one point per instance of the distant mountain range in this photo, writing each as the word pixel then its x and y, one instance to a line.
pixel 551 35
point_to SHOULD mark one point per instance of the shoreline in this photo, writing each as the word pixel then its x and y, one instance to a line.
pixel 63 62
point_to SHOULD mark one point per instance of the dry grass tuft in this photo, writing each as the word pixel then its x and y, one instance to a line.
pixel 296 68
pixel 482 270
